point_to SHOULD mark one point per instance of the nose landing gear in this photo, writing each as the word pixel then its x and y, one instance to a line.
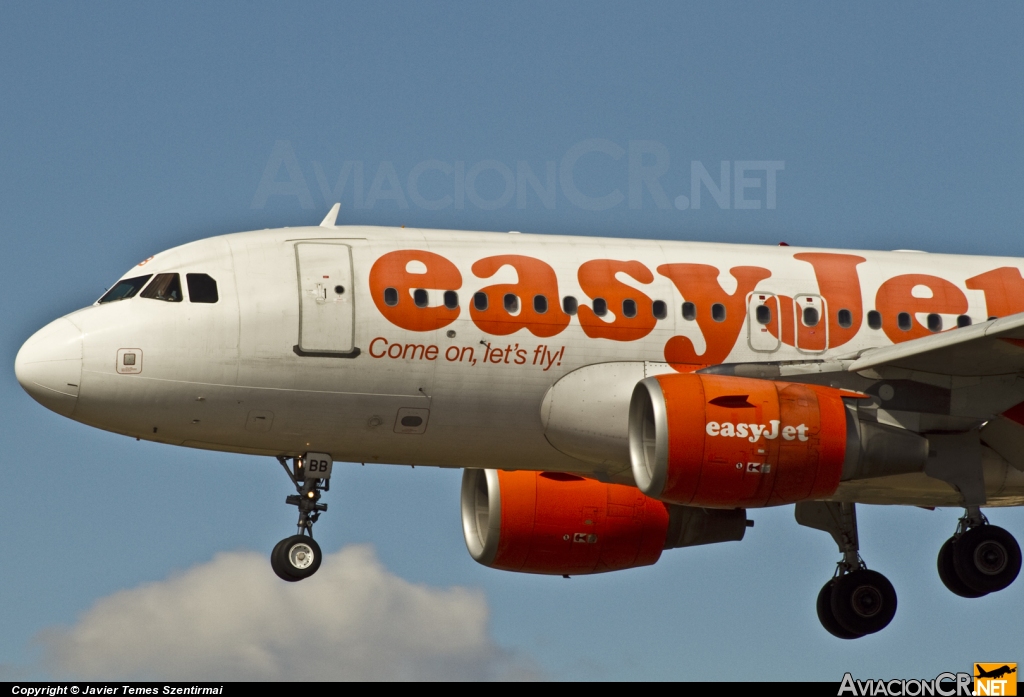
pixel 979 558
pixel 297 557
pixel 856 601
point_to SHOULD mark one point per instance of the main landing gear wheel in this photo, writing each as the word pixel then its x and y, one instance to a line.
pixel 855 602
pixel 948 574
pixel 979 558
pixel 297 557
pixel 863 601
pixel 987 558
pixel 827 617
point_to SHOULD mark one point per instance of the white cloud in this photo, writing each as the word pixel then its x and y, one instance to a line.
pixel 231 618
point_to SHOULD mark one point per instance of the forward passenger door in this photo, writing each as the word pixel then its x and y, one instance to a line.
pixel 326 303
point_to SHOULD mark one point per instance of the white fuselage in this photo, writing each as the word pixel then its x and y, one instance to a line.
pixel 235 375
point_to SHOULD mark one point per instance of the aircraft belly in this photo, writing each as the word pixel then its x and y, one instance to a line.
pixel 467 427
pixel 1004 486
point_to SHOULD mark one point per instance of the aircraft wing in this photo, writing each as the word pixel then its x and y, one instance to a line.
pixel 995 347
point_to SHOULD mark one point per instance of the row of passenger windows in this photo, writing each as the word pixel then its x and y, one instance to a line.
pixel 809 316
pixel 844 318
pixel 510 301
pixel 166 287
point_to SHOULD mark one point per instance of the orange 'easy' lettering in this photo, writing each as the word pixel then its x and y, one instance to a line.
pixel 597 279
pixel 698 283
pixel 839 285
pixel 896 296
pixel 534 278
pixel 391 271
pixel 1004 291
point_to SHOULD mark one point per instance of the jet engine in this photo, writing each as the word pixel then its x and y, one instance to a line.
pixel 732 442
pixel 556 523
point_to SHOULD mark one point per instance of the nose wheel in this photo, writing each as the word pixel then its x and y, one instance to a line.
pixel 979 558
pixel 297 557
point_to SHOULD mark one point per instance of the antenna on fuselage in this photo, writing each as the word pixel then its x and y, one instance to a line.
pixel 331 220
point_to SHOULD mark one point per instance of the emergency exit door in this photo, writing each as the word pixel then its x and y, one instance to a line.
pixel 763 321
pixel 326 303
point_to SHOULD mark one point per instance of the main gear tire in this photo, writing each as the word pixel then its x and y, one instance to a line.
pixel 863 601
pixel 987 558
pixel 948 573
pixel 827 617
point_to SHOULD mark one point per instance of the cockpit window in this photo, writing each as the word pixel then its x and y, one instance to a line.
pixel 202 288
pixel 124 289
pixel 166 287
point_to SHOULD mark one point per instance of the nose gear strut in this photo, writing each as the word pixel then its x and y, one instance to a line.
pixel 297 557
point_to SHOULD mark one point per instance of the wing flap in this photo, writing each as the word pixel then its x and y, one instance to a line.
pixel 1006 437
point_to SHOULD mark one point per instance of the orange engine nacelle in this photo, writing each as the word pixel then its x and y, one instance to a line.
pixel 723 441
pixel 554 523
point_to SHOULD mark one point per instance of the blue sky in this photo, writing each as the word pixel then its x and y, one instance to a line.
pixel 131 128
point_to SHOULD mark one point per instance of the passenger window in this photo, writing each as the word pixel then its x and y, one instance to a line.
pixel 480 301
pixel 963 321
pixel 125 289
pixel 202 288
pixel 718 312
pixel 763 314
pixel 166 287
pixel 660 309
pixel 511 301
pixel 845 318
pixel 451 299
pixel 689 311
pixel 934 322
pixel 570 305
pixel 540 304
pixel 420 297
pixel 875 319
pixel 903 321
pixel 390 297
pixel 629 308
pixel 810 317
pixel 600 307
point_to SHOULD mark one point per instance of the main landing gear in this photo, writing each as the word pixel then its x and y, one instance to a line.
pixel 297 557
pixel 979 558
pixel 856 601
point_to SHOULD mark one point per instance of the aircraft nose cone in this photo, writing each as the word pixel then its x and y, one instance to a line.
pixel 49 366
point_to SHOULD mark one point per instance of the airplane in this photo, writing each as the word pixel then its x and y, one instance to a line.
pixel 607 399
pixel 996 673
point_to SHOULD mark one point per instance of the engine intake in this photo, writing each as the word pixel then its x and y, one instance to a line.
pixel 555 523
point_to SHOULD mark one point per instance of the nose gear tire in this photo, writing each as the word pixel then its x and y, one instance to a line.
pixel 863 601
pixel 295 558
pixel 277 563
